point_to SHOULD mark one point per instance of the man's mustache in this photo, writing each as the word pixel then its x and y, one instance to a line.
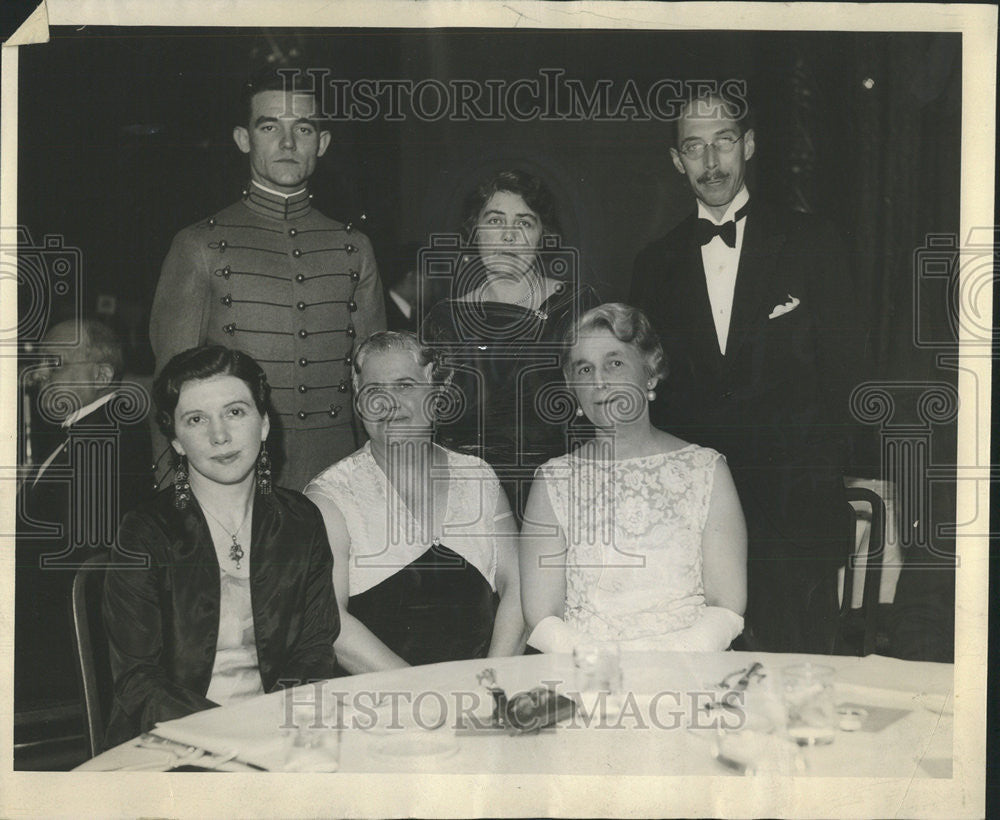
pixel 704 178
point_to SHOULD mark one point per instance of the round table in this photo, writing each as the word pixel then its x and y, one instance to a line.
pixel 425 719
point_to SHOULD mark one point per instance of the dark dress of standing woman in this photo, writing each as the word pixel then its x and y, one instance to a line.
pixel 516 290
pixel 237 597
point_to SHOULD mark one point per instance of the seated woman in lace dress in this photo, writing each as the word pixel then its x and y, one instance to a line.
pixel 424 543
pixel 235 598
pixel 636 537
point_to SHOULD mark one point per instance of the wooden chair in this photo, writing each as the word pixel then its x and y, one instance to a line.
pixel 91 642
pixel 859 628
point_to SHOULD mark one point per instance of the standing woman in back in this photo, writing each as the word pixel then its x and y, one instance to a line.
pixel 515 293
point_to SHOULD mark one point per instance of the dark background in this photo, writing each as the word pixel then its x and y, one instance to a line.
pixel 125 137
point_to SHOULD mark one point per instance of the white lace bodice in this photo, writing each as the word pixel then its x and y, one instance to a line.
pixel 386 537
pixel 633 531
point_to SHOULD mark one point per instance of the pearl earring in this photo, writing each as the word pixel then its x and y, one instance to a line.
pixel 579 411
pixel 651 393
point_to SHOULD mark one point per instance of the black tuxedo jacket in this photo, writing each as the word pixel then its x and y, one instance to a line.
pixel 777 403
pixel 394 318
pixel 43 644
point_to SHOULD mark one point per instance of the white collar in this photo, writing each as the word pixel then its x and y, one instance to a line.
pixel 742 198
pixel 405 307
pixel 276 193
pixel 76 415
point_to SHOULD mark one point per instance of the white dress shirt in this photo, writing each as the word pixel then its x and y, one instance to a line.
pixel 721 264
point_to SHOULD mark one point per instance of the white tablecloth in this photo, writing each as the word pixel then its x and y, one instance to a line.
pixel 414 728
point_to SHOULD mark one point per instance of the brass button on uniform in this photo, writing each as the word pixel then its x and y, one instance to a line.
pixel 342 387
pixel 350 248
pixel 292 232
pixel 352 306
pixel 355 276
pixel 230 328
pixel 303 333
pixel 296 253
pixel 302 414
pixel 351 331
pixel 227 300
pixel 300 305
pixel 303 388
pixel 300 278
pixel 303 362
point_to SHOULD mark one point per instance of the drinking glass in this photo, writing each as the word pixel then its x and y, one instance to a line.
pixel 598 675
pixel 808 698
pixel 312 747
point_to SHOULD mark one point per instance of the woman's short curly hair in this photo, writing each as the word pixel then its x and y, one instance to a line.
pixel 530 188
pixel 204 362
pixel 382 341
pixel 628 325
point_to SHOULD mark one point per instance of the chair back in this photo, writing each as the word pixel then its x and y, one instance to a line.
pixel 93 662
pixel 872 563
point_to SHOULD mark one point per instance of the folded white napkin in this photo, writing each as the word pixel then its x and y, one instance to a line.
pixel 267 752
pixel 255 730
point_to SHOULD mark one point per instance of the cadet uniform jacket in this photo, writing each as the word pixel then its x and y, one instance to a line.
pixel 276 279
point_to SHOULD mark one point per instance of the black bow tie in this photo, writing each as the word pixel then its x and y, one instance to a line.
pixel 706 230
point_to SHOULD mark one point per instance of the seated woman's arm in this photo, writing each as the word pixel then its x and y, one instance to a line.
pixel 133 620
pixel 542 562
pixel 508 628
pixel 358 649
pixel 724 572
pixel 311 656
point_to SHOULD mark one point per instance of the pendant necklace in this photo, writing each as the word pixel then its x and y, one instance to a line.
pixel 236 548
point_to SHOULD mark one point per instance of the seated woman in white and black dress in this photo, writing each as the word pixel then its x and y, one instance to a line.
pixel 424 543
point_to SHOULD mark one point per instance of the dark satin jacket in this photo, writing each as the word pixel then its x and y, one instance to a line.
pixel 163 622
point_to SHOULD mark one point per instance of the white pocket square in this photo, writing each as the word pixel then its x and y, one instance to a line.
pixel 788 307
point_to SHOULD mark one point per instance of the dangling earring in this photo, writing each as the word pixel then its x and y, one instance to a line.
pixel 579 412
pixel 651 393
pixel 182 489
pixel 263 471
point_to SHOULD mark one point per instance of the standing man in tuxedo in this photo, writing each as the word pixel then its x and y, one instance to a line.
pixel 277 279
pixel 755 310
pixel 99 441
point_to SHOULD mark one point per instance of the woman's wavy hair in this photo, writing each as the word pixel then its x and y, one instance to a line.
pixel 530 188
pixel 628 325
pixel 203 363
pixel 382 341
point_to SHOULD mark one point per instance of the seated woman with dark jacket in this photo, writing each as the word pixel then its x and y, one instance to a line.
pixel 237 596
